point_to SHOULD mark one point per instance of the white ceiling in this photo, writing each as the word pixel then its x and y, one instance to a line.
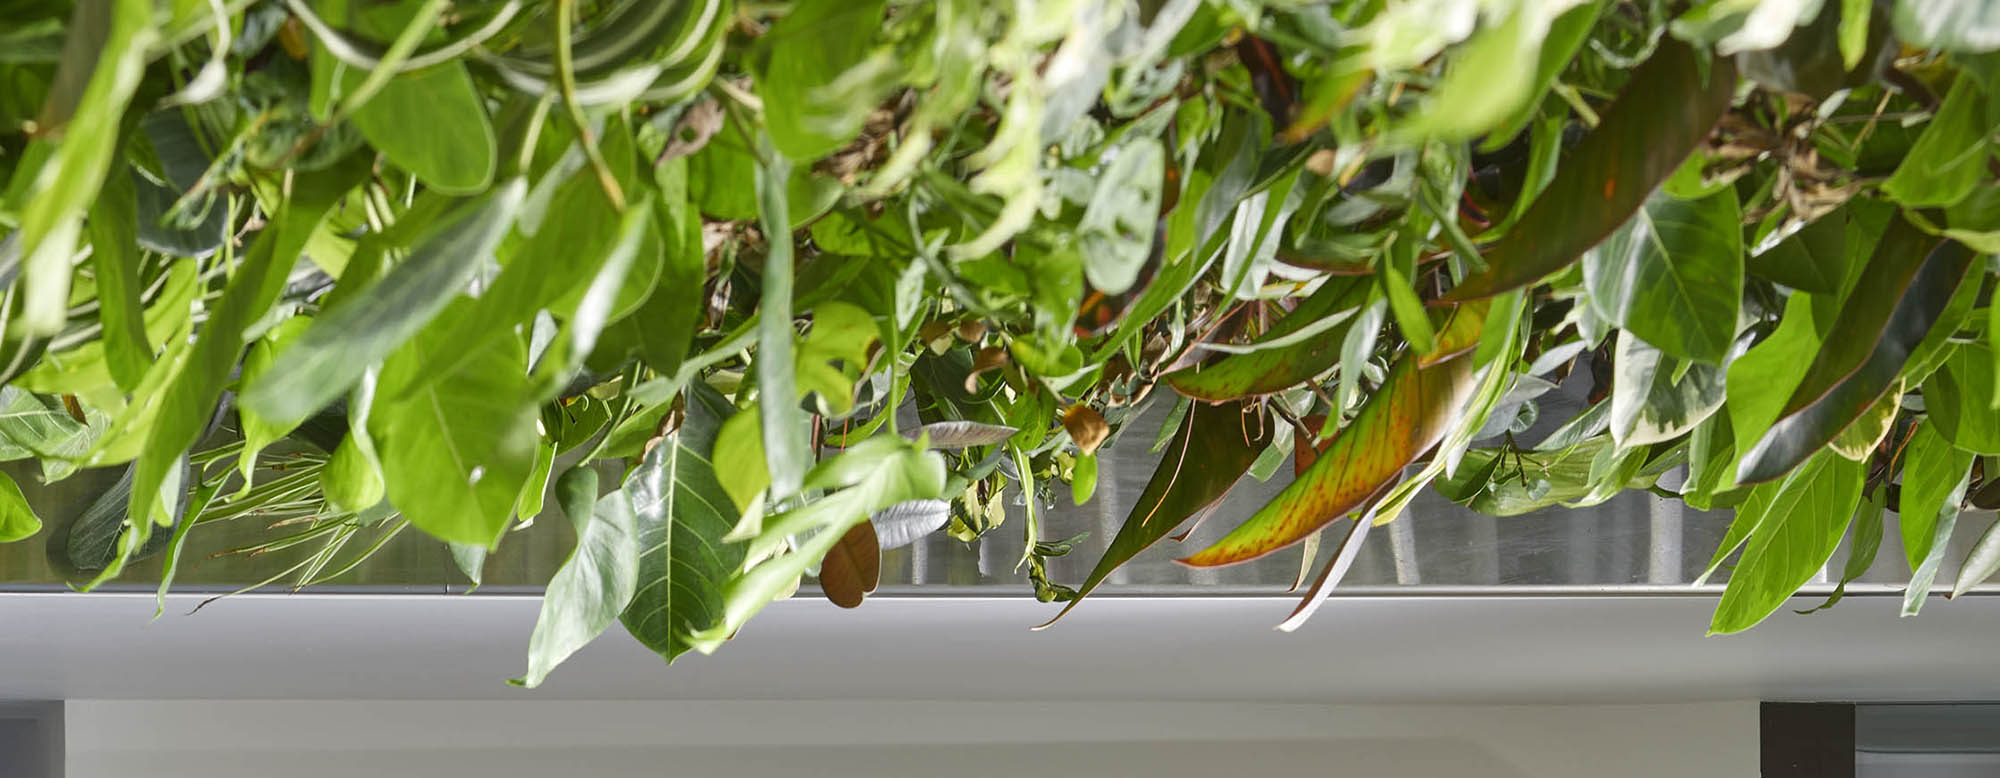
pixel 1358 649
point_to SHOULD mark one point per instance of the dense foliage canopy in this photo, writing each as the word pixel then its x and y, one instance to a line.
pixel 433 248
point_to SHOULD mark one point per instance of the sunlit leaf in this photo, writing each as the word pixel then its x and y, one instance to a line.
pixel 1797 524
pixel 682 516
pixel 1673 275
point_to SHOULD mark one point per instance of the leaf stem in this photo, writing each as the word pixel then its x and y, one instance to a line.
pixel 566 81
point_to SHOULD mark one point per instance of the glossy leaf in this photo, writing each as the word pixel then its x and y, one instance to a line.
pixel 1867 535
pixel 1797 526
pixel 1814 259
pixel 1673 275
pixel 1654 399
pixel 962 434
pixel 1408 415
pixel 1981 563
pixel 1209 452
pixel 682 516
pixel 1910 281
pixel 114 259
pixel 1665 109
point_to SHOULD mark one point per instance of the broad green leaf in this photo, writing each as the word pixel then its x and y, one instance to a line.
pixel 1207 455
pixel 1951 26
pixel 1908 285
pixel 1115 234
pixel 1411 318
pixel 1814 259
pixel 348 338
pixel 114 261
pixel 1854 23
pixel 189 400
pixel 1761 379
pixel 807 83
pixel 1654 398
pixel 682 515
pixel 1664 111
pixel 103 61
pixel 1274 369
pixel 1935 475
pixel 432 122
pixel 596 583
pixel 1673 275
pixel 1411 412
pixel 1958 397
pixel 529 504
pixel 1797 529
pixel 1949 159
pixel 455 453
pixel 785 427
pixel 84 370
pixel 17 518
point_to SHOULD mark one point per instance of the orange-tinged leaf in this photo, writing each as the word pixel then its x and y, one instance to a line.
pixel 1459 333
pixel 1413 410
pixel 1664 111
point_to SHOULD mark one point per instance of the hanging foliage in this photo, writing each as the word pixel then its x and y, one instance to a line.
pixel 686 260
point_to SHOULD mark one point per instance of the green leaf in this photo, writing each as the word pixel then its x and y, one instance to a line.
pixel 1933 470
pixel 189 400
pixel 1761 379
pixel 103 62
pixel 598 580
pixel 1115 234
pixel 1798 524
pixel 1861 554
pixel 666 323
pixel 812 51
pixel 1409 414
pixel 348 338
pixel 1411 318
pixel 1908 285
pixel 114 261
pixel 1083 479
pixel 1189 479
pixel 351 482
pixel 1273 369
pixel 433 123
pixel 1854 21
pixel 1958 397
pixel 785 427
pixel 17 518
pixel 1949 159
pixel 259 432
pixel 455 452
pixel 1814 259
pixel 1951 26
pixel 1663 113
pixel 1673 275
pixel 1493 76
pixel 739 459
pixel 682 515
pixel 1654 399
pixel 1859 440
pixel 529 504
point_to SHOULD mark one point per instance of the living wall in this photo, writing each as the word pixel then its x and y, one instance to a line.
pixel 347 267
